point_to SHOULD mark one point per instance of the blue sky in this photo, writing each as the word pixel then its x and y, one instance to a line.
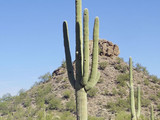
pixel 31 38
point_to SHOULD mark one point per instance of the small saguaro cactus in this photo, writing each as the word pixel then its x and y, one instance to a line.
pixel 139 102
pixel 152 113
pixel 134 116
pixel 83 81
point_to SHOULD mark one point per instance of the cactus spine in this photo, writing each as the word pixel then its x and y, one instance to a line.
pixel 83 81
pixel 134 116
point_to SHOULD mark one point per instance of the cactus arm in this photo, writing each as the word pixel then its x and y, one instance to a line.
pixel 133 111
pixel 139 102
pixel 91 84
pixel 68 54
pixel 94 67
pixel 79 42
pixel 86 47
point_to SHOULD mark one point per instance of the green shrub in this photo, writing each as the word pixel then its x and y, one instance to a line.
pixel 27 102
pixel 145 102
pixel 45 77
pixel 67 116
pixel 119 60
pixel 106 92
pixel 92 92
pixel 95 118
pixel 123 116
pixel 158 94
pixel 146 82
pixel 124 69
pixel 122 92
pixel 114 91
pixel 158 107
pixel 118 67
pixel 49 97
pixel 71 106
pixel 55 104
pixel 102 65
pixel 139 68
pixel 118 105
pixel 153 97
pixel 122 78
pixel 67 94
pixel 40 115
pixel 4 108
pixel 154 78
pixel 6 97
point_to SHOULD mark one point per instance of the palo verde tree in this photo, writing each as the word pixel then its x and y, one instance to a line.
pixel 82 81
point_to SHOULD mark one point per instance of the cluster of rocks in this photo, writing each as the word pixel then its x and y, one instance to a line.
pixel 107 48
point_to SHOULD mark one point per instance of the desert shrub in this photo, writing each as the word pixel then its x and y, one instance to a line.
pixel 145 102
pixel 158 94
pixel 106 92
pixel 153 97
pixel 27 102
pixel 124 69
pixel 6 97
pixel 65 79
pixel 123 116
pixel 122 78
pixel 49 116
pixel 67 94
pixel 122 92
pixel 4 108
pixel 67 116
pixel 118 66
pixel 63 64
pixel 154 78
pixel 40 115
pixel 146 82
pixel 102 65
pixel 140 68
pixel 55 104
pixel 114 91
pixel 49 97
pixel 92 92
pixel 117 106
pixel 45 77
pixel 158 107
pixel 71 106
pixel 119 60
pixel 95 118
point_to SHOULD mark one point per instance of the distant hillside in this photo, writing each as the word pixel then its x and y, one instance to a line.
pixel 53 97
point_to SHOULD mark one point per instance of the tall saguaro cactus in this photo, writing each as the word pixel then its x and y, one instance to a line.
pixel 83 81
pixel 134 116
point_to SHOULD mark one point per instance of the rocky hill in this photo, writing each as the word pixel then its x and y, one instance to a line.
pixel 54 99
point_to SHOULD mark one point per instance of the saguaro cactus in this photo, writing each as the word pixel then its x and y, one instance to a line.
pixel 139 102
pixel 134 116
pixel 83 81
pixel 152 113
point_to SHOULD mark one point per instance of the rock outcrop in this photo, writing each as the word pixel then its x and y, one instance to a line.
pixel 106 48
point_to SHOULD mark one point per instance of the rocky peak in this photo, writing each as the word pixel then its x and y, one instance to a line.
pixel 106 48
